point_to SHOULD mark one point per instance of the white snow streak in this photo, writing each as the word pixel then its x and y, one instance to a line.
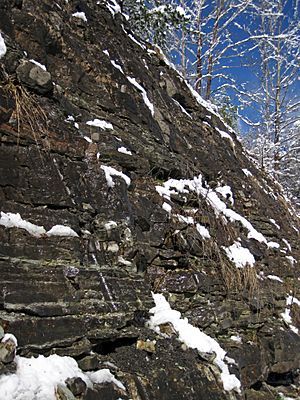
pixel 144 94
pixel 192 337
pixel 2 47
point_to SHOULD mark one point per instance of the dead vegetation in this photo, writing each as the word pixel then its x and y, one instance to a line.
pixel 28 117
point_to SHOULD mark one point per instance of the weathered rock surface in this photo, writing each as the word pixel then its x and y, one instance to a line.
pixel 71 295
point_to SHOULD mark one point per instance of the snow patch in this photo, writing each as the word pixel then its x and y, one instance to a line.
pixel 37 378
pixel 88 139
pixel 239 255
pixel 236 338
pixel 3 48
pixel 124 151
pixel 167 207
pixel 192 337
pixel 275 278
pixel 203 231
pixel 226 192
pixel 110 172
pixel 273 245
pixel 99 123
pixel 80 15
pixel 291 259
pixel 185 220
pixel 286 314
pixel 61 230
pixel 11 220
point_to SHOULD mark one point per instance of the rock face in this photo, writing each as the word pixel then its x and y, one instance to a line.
pixel 157 194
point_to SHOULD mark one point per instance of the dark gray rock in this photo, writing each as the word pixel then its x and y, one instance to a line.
pixel 77 386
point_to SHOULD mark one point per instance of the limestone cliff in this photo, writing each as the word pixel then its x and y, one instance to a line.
pixel 127 183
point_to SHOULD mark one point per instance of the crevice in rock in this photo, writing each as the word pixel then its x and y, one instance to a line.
pixel 281 379
pixel 110 346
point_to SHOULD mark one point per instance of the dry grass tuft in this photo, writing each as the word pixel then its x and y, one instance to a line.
pixel 29 116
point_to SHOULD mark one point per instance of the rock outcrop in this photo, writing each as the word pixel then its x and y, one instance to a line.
pixel 118 181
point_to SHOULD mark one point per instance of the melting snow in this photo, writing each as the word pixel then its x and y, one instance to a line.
pixel 80 15
pixel 144 94
pixel 100 124
pixel 192 337
pixel 124 151
pixel 2 47
pixel 11 220
pixel 110 172
pixel 239 255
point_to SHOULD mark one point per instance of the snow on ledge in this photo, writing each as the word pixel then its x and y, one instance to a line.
pixel 61 230
pixel 11 220
pixel 100 124
pixel 192 337
pixel 110 172
pixel 38 64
